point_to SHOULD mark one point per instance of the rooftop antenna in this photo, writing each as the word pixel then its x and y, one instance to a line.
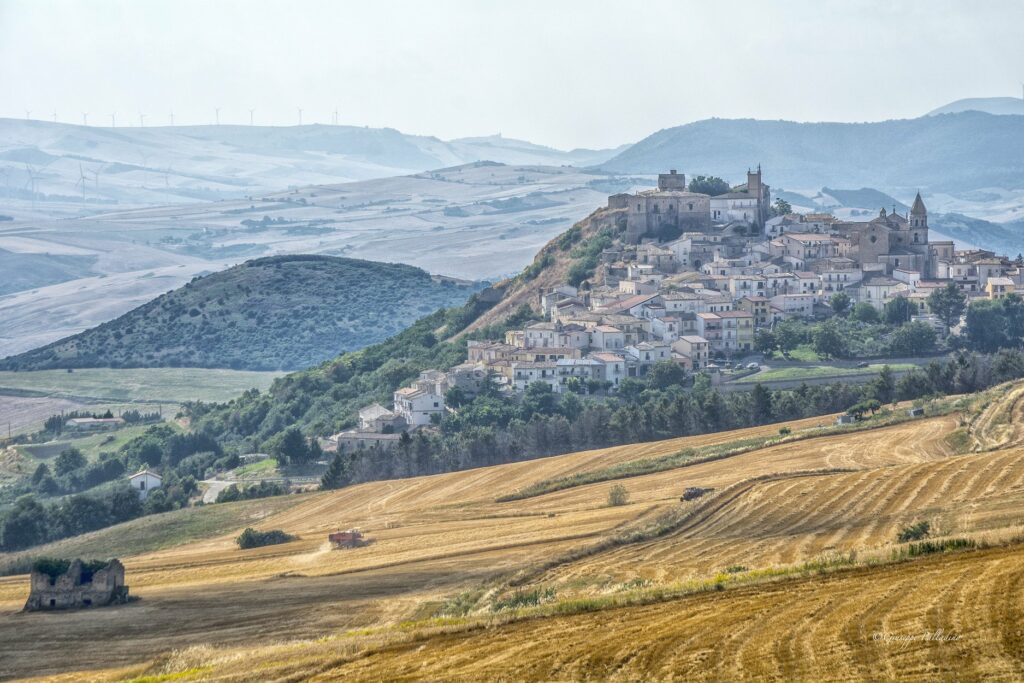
pixel 142 120
pixel 300 115
pixel 216 115
pixel 251 116
pixel 113 120
pixel 85 118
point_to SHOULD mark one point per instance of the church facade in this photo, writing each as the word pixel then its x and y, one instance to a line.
pixel 895 241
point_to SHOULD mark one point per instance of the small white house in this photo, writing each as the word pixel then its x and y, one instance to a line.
pixel 144 482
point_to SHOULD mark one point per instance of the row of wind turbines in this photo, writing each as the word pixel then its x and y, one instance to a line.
pixel 216 117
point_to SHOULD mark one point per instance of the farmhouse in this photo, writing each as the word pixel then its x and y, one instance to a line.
pixel 68 585
pixel 144 482
pixel 93 424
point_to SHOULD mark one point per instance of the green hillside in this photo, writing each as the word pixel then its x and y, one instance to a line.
pixel 277 313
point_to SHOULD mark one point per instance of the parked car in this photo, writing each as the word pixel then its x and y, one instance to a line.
pixel 863 364
pixel 752 366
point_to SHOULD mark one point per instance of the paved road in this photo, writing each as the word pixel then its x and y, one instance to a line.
pixel 213 489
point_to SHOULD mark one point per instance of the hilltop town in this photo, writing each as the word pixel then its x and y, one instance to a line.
pixel 690 278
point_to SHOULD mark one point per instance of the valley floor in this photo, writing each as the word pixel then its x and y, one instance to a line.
pixel 423 598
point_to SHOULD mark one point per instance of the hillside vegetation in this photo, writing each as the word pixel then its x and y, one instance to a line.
pixel 277 313
pixel 786 568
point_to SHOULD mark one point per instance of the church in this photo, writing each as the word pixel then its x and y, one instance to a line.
pixel 898 242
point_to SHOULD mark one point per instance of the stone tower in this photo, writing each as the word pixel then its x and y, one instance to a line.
pixel 918 214
pixel 672 181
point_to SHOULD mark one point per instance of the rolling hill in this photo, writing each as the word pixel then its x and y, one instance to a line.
pixel 99 166
pixel 952 153
pixel 284 312
pixel 785 569
pixel 990 105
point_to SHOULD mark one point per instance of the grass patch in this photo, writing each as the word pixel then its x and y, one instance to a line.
pixel 152 532
pixel 91 445
pixel 794 374
pixel 256 469
pixel 959 440
pixel 150 385
pixel 805 354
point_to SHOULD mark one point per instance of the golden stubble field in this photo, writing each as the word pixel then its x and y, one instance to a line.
pixel 283 612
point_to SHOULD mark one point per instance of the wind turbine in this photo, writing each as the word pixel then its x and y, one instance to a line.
pixel 300 115
pixel 85 118
pixel 113 120
pixel 335 116
pixel 216 114
pixel 96 176
pixel 142 120
pixel 251 111
pixel 55 117
pixel 81 181
pixel 172 117
pixel 28 115
pixel 32 178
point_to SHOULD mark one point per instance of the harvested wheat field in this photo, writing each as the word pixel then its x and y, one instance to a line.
pixel 445 555
pixel 867 624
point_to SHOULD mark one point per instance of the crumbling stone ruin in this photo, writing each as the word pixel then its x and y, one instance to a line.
pixel 70 584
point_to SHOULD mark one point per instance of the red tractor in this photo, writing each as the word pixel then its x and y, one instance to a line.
pixel 346 539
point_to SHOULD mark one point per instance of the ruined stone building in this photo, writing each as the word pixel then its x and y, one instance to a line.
pixel 68 585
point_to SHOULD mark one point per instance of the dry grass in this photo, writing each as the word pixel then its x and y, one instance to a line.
pixel 300 610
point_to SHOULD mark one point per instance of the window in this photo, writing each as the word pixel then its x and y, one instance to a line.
pixel 142 484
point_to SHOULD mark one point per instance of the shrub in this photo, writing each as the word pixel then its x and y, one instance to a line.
pixel 785 431
pixel 914 532
pixel 250 538
pixel 524 599
pixel 618 495
pixel 929 547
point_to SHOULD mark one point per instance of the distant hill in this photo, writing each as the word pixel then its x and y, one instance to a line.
pixel 989 105
pixel 283 312
pixel 952 153
pixel 97 166
pixel 1003 238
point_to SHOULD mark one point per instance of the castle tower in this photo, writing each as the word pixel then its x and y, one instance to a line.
pixel 754 182
pixel 672 181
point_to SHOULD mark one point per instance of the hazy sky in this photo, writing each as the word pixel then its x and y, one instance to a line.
pixel 566 73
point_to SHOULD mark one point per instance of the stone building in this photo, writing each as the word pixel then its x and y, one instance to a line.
pixel 748 204
pixel 81 584
pixel 670 208
pixel 895 241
